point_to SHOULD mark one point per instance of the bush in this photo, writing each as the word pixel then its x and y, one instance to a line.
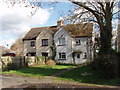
pixel 118 57
pixel 4 68
pixel 106 65
pixel 51 63
pixel 41 60
pixel 12 66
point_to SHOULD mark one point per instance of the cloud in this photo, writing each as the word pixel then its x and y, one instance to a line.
pixel 16 21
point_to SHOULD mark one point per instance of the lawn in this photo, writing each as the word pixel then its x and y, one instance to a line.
pixel 93 77
pixel 77 74
pixel 42 70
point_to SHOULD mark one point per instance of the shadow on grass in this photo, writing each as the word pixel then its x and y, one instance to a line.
pixel 92 77
pixel 40 70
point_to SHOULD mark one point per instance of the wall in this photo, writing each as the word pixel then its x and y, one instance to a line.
pixel 66 48
pixel 20 61
pixel 45 34
pixel 82 48
pixel 70 47
pixel 27 47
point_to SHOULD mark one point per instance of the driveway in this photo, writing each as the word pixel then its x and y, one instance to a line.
pixel 13 81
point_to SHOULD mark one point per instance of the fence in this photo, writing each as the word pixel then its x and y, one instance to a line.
pixel 21 61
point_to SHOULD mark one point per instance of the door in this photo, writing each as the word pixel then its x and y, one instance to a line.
pixel 77 58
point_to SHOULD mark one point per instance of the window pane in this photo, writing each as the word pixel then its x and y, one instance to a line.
pixel 44 42
pixel 85 55
pixel 62 55
pixel 77 41
pixel 32 43
pixel 78 55
pixel 59 55
pixel 62 41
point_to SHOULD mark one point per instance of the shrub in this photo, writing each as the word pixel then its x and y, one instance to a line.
pixel 118 58
pixel 106 65
pixel 51 63
pixel 12 66
pixel 40 60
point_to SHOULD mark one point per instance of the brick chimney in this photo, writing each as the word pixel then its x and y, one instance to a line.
pixel 59 23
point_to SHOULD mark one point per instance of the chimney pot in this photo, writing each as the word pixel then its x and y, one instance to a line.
pixel 59 23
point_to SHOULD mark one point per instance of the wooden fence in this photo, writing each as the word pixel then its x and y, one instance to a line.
pixel 21 61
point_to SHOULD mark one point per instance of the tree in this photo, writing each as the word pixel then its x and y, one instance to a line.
pixel 4 50
pixel 53 48
pixel 102 10
pixel 17 46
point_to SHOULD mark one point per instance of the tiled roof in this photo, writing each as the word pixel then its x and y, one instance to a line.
pixel 34 32
pixel 79 30
pixel 75 30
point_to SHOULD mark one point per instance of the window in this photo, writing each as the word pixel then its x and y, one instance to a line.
pixel 62 55
pixel 32 54
pixel 61 41
pixel 45 54
pixel 77 41
pixel 85 55
pixel 32 43
pixel 44 42
pixel 78 55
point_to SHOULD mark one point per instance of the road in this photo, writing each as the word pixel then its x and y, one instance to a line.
pixel 13 81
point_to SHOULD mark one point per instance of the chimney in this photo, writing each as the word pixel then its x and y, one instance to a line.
pixel 59 23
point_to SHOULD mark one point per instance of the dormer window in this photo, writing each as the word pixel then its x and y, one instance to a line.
pixel 61 41
pixel 77 41
pixel 32 43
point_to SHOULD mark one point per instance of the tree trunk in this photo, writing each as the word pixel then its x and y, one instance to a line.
pixel 106 32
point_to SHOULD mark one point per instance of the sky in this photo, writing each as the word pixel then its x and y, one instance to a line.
pixel 16 21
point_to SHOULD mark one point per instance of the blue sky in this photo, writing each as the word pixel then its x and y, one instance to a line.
pixel 16 21
pixel 61 8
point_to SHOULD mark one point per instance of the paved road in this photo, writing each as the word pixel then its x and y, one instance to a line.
pixel 21 82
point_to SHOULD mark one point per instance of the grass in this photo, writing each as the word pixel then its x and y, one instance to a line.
pixel 42 70
pixel 94 78
pixel 76 74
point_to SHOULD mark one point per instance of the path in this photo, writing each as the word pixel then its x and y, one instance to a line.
pixel 65 70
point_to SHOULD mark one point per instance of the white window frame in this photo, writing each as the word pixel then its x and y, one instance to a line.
pixel 63 54
pixel 61 41
pixel 85 55
pixel 77 41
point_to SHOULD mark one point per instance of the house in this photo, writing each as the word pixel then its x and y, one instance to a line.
pixel 37 41
pixel 72 42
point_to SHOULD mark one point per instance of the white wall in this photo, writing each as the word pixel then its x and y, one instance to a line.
pixel 82 48
pixel 70 47
pixel 67 48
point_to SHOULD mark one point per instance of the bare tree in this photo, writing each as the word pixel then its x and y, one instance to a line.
pixel 102 10
pixel 17 46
